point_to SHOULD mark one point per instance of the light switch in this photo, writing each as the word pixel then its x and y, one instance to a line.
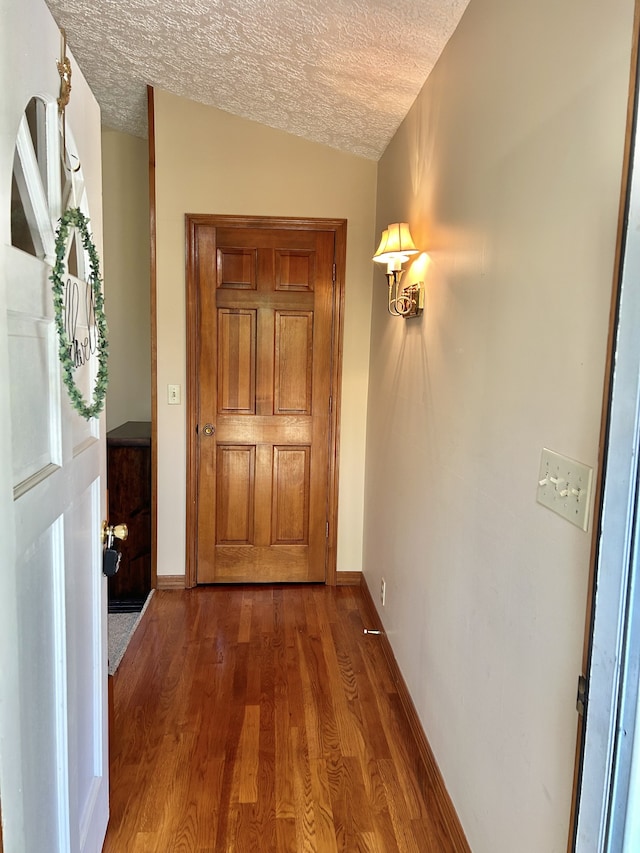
pixel 564 486
pixel 173 395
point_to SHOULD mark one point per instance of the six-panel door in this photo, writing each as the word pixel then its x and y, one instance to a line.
pixel 264 377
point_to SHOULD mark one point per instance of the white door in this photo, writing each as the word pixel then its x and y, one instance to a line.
pixel 53 656
pixel 608 807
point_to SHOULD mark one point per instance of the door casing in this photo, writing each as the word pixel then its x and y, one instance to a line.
pixel 591 778
pixel 339 228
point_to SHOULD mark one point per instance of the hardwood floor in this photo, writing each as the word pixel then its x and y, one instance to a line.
pixel 263 719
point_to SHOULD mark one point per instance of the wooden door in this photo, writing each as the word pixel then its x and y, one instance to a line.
pixel 53 652
pixel 265 311
pixel 129 481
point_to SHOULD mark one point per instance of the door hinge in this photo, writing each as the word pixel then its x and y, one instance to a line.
pixel 327 530
pixel 334 274
pixel 581 698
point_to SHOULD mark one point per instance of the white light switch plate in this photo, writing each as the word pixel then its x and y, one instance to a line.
pixel 564 486
pixel 174 397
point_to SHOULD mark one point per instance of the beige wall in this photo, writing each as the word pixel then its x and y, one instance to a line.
pixel 508 169
pixel 125 175
pixel 208 161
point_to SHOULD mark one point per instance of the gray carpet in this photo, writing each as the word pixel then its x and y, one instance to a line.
pixel 121 628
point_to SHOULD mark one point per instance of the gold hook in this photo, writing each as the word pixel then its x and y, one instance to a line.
pixel 64 70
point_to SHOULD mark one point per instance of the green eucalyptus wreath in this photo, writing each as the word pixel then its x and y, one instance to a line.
pixel 75 218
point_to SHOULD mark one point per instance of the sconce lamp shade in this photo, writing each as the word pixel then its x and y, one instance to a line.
pixel 396 244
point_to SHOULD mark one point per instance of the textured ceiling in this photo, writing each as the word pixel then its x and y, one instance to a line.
pixel 340 72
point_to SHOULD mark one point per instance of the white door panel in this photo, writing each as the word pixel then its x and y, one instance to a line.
pixel 85 645
pixel 40 584
pixel 35 441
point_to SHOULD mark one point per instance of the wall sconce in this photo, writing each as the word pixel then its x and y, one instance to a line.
pixel 395 249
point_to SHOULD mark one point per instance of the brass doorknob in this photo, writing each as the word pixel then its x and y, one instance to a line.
pixel 120 531
pixel 113 531
pixel 208 429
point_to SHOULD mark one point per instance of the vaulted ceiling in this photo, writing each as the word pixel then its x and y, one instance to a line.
pixel 340 72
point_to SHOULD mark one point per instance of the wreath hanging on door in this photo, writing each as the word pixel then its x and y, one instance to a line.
pixel 72 352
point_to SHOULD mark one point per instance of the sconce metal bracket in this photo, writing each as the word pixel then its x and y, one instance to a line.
pixel 405 301
pixel 415 292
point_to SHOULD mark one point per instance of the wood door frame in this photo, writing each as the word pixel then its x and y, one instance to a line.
pixel 632 106
pixel 154 334
pixel 339 229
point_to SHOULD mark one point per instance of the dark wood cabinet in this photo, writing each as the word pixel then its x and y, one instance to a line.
pixel 129 485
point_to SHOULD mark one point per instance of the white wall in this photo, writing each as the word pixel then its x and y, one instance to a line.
pixel 125 175
pixel 208 161
pixel 508 168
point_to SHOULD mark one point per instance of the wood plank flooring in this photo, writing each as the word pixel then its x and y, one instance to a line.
pixel 263 719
